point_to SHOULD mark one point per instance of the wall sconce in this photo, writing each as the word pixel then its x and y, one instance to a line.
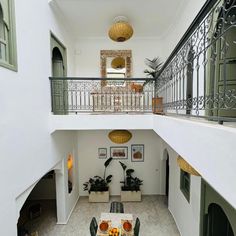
pixel 69 162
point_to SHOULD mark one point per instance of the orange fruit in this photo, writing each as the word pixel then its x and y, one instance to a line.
pixel 127 226
pixel 103 226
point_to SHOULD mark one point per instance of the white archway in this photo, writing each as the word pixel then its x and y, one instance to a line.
pixel 60 194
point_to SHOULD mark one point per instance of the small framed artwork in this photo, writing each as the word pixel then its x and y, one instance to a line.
pixel 137 152
pixel 119 152
pixel 102 153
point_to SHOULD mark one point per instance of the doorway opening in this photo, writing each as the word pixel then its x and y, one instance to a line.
pixel 40 204
pixel 166 174
pixel 59 69
pixel 217 222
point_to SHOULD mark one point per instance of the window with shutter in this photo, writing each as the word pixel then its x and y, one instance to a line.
pixel 7 35
pixel 185 184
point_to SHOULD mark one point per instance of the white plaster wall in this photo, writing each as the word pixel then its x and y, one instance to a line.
pixel 66 201
pixel 175 33
pixel 100 122
pixel 207 146
pixel 88 54
pixel 28 151
pixel 186 214
pixel 90 165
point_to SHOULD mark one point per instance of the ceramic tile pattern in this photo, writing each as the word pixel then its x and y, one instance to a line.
pixel 154 216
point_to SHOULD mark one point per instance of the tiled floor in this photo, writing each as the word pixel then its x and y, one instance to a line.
pixel 154 216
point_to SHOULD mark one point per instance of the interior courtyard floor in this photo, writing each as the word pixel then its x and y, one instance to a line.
pixel 153 213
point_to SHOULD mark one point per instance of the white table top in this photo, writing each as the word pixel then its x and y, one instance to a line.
pixel 116 218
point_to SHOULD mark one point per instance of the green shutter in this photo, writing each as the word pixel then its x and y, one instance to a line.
pixel 185 184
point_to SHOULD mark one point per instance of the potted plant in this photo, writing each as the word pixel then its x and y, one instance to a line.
pixel 130 190
pixel 98 187
pixel 155 65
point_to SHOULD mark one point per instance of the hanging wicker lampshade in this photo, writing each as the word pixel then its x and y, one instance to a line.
pixel 120 136
pixel 118 63
pixel 121 30
pixel 184 165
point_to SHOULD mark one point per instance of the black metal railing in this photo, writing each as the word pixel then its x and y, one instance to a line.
pixel 199 77
pixel 73 95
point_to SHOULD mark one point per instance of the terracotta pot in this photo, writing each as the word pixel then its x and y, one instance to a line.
pixel 157 105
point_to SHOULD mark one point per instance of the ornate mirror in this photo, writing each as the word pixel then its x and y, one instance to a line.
pixel 116 63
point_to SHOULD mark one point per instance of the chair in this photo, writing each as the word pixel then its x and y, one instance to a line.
pixel 136 227
pixel 117 207
pixel 93 227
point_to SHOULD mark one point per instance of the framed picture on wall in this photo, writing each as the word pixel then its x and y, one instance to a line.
pixel 102 153
pixel 119 152
pixel 137 152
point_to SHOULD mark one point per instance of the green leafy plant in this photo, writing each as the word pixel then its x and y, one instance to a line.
pixel 98 183
pixel 130 183
pixel 154 67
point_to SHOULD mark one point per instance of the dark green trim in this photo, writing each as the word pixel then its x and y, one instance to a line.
pixel 208 196
pixel 202 204
pixel 54 37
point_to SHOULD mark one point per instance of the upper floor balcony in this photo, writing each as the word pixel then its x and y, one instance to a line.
pixel 198 78
pixel 96 95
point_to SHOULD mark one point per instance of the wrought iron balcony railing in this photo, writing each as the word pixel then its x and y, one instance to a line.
pixel 199 77
pixel 73 95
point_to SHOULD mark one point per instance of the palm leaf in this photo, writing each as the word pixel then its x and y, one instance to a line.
pixel 107 162
pixel 123 166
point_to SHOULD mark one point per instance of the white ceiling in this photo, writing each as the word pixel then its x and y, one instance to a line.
pixel 92 18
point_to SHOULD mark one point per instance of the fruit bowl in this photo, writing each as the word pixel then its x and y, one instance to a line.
pixel 103 226
pixel 114 232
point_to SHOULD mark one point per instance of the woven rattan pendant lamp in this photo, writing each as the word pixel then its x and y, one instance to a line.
pixel 120 136
pixel 118 63
pixel 121 30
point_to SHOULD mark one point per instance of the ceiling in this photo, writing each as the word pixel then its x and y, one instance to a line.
pixel 92 18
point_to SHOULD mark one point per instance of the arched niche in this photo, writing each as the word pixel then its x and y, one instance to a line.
pixel 70 163
pixel 218 223
pixel 57 63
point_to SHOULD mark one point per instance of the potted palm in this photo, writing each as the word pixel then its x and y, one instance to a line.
pixel 154 67
pixel 130 190
pixel 98 187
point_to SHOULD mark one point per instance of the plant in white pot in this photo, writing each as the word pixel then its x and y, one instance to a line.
pixel 130 190
pixel 98 187
pixel 154 65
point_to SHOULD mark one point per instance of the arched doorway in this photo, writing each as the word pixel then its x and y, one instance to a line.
pixel 165 173
pixel 217 222
pixel 59 69
pixel 40 204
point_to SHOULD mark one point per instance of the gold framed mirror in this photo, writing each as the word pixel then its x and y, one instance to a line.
pixel 116 63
